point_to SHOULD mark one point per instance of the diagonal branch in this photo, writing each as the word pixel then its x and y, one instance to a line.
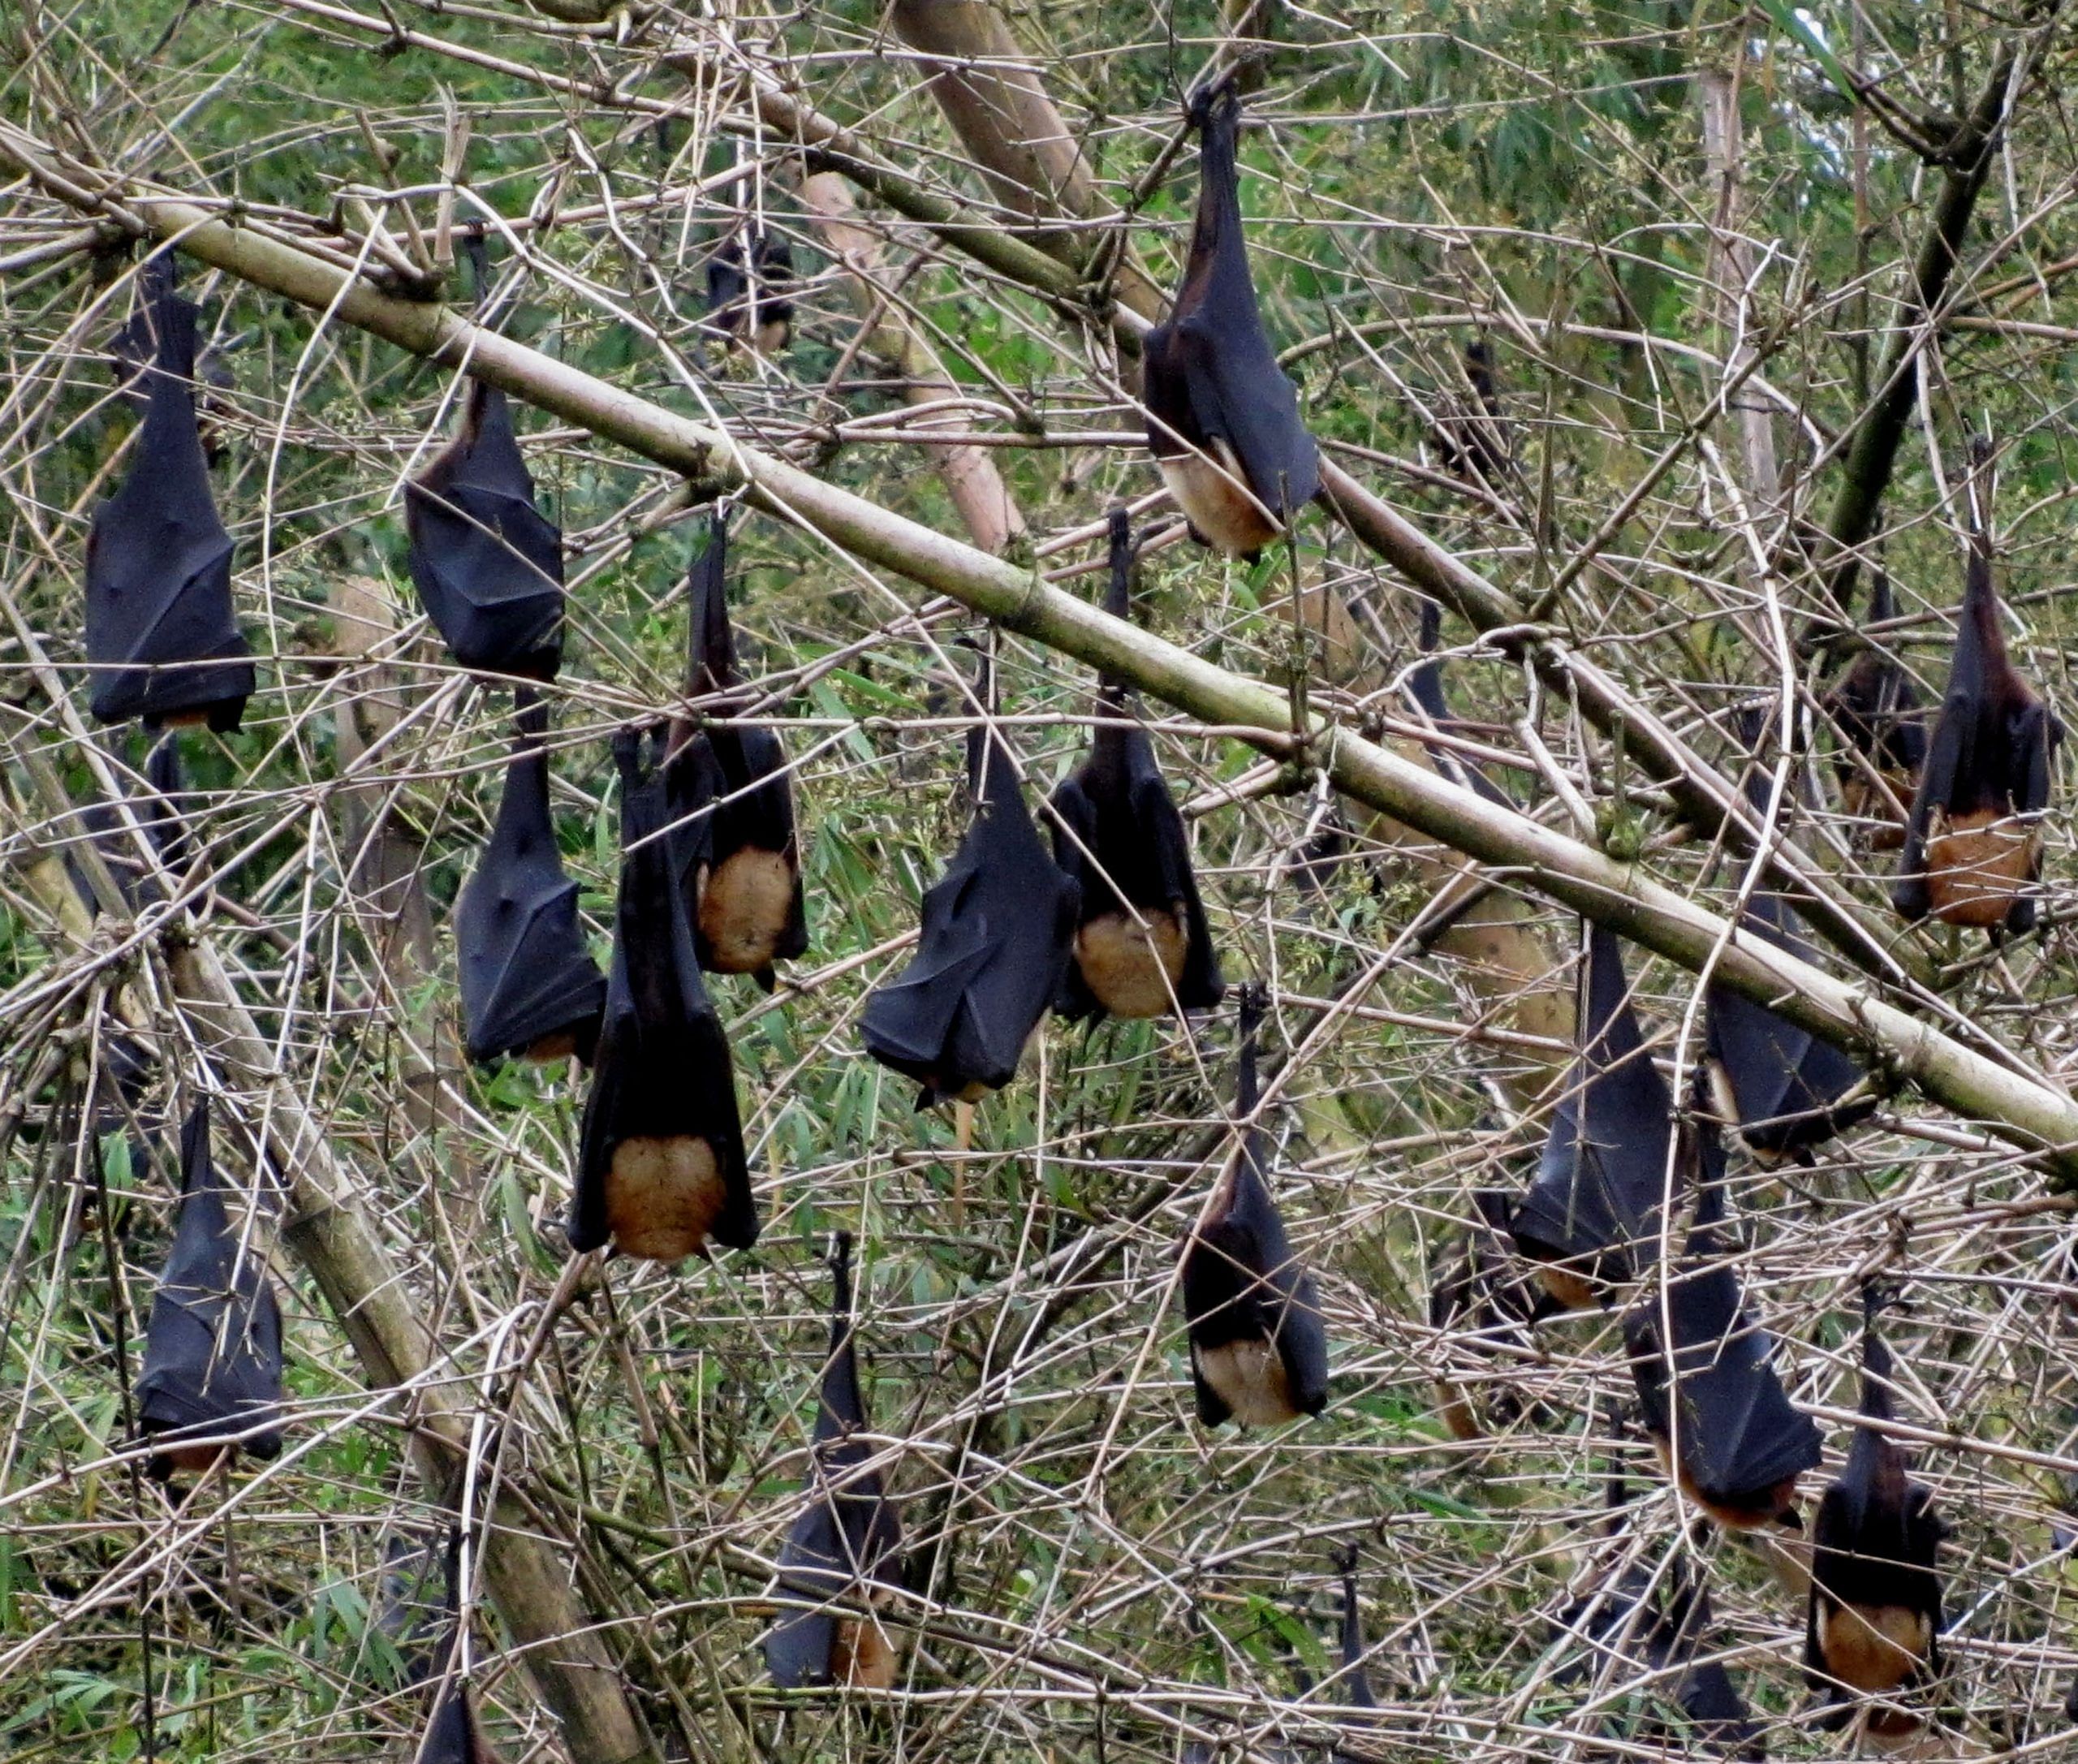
pixel 1984 1083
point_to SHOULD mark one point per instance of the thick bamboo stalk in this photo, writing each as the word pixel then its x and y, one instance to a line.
pixel 1991 1087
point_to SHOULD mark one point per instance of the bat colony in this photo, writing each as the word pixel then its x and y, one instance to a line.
pixel 1625 1210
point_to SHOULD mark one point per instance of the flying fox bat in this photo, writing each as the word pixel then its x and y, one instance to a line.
pixel 1973 845
pixel 661 1173
pixel 213 1348
pixel 1873 1623
pixel 1352 1683
pixel 488 562
pixel 1259 1349
pixel 1424 686
pixel 1141 945
pixel 1781 1087
pixel 162 634
pixel 998 930
pixel 1879 713
pixel 1222 417
pixel 1475 445
pixel 742 872
pixel 133 351
pixel 529 985
pixel 735 308
pixel 1482 1294
pixel 1591 1215
pixel 847 1543
pixel 453 1735
pixel 1629 1621
pixel 1717 1414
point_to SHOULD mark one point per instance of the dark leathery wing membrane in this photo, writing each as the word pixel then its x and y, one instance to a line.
pixel 1710 1397
pixel 1873 1623
pixel 487 562
pixel 162 634
pixel 1142 947
pixel 661 1171
pixel 530 987
pixel 736 848
pixel 846 1545
pixel 997 930
pixel 1883 722
pixel 1591 1215
pixel 213 1348
pixel 1424 685
pixel 1781 1086
pixel 1973 846
pixel 764 318
pixel 1222 417
pixel 1259 1352
pixel 1639 1627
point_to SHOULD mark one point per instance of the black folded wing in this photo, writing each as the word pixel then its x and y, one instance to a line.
pixel 1212 378
pixel 663 1072
pixel 1242 1283
pixel 1786 1084
pixel 528 978
pixel 996 937
pixel 1709 1393
pixel 741 868
pixel 213 1348
pixel 1595 1203
pixel 847 1542
pixel 1119 836
pixel 488 562
pixel 162 634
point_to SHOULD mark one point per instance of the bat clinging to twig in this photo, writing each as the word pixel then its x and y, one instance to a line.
pixel 661 1170
pixel 1222 417
pixel 213 1348
pixel 1142 947
pixel 1973 846
pixel 847 1543
pixel 1259 1351
pixel 162 634
pixel 529 985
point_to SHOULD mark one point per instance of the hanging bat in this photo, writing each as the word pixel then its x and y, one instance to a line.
pixel 847 1543
pixel 660 1172
pixel 162 634
pixel 487 562
pixel 1874 1622
pixel 735 306
pixel 213 1347
pixel 1142 947
pixel 1481 1299
pixel 1352 1683
pixel 1635 1628
pixel 1259 1349
pixel 1882 720
pixel 1591 1215
pixel 1424 686
pixel 1717 1415
pixel 530 987
pixel 131 354
pixel 1474 445
pixel 998 930
pixel 158 807
pixel 1782 1087
pixel 1973 845
pixel 452 1734
pixel 1222 417
pixel 743 876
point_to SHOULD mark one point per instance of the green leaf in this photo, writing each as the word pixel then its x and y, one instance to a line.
pixel 1789 19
